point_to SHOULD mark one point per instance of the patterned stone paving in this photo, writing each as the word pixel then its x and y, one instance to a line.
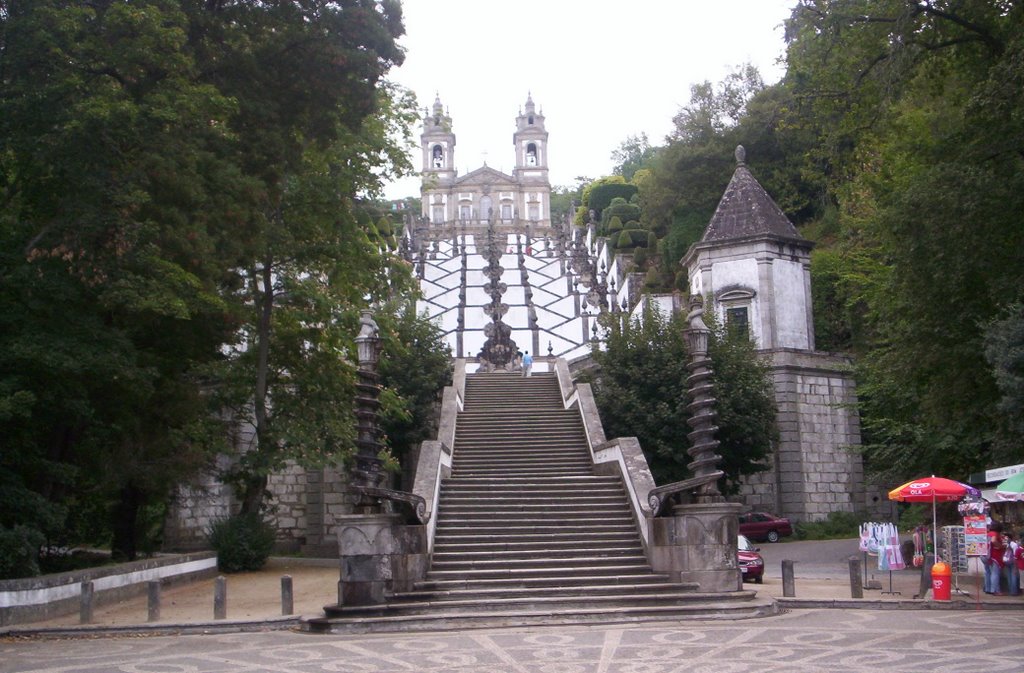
pixel 804 641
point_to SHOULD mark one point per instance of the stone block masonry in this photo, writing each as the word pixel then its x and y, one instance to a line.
pixel 815 468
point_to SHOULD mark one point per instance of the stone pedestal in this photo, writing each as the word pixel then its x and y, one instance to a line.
pixel 379 555
pixel 697 543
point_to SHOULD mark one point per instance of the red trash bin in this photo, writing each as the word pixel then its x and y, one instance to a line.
pixel 942 577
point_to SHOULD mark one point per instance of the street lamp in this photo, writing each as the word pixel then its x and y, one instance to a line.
pixel 367 471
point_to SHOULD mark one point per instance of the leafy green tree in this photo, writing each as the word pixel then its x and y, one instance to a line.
pixel 415 368
pixel 920 149
pixel 106 177
pixel 634 153
pixel 1004 350
pixel 641 391
pixel 307 146
pixel 178 182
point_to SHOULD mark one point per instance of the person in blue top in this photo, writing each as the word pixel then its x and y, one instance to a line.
pixel 527 363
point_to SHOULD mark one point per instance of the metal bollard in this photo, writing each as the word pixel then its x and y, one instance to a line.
pixel 85 606
pixel 856 583
pixel 220 598
pixel 287 597
pixel 153 594
pixel 788 583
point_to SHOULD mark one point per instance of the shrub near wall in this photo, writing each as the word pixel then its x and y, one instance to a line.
pixel 242 542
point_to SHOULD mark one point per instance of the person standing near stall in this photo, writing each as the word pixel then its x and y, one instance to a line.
pixel 994 561
pixel 1010 565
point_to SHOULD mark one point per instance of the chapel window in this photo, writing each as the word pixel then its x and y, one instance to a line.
pixel 737 322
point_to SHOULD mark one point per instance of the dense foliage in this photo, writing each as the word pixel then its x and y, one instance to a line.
pixel 182 240
pixel 641 391
pixel 895 142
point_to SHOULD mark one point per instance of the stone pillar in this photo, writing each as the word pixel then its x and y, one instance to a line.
pixel 697 544
pixel 379 555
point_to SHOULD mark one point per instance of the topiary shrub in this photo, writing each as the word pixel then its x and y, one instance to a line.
pixel 622 210
pixel 640 258
pixel 19 552
pixel 242 542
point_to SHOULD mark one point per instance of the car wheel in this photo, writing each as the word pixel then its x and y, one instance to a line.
pixel 773 536
pixel 758 580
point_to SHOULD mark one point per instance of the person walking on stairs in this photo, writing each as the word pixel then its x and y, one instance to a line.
pixel 527 364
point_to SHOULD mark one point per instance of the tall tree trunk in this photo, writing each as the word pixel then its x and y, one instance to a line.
pixel 256 484
pixel 124 523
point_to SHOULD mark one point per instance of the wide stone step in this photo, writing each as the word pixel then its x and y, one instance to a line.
pixel 493 554
pixel 524 584
pixel 425 601
pixel 538 448
pixel 532 450
pixel 568 437
pixel 444 544
pixel 552 575
pixel 474 496
pixel 470 535
pixel 530 453
pixel 519 529
pixel 658 585
pixel 515 466
pixel 499 472
pixel 493 614
pixel 548 481
pixel 511 485
pixel 522 453
pixel 516 503
pixel 627 595
pixel 537 495
pixel 537 564
pixel 447 513
pixel 600 494
pixel 511 412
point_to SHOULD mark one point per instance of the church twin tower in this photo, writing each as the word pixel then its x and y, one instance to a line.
pixel 486 195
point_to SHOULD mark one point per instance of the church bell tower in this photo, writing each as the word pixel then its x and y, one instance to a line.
pixel 531 143
pixel 438 144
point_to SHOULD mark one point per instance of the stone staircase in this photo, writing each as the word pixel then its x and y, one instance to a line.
pixel 527 533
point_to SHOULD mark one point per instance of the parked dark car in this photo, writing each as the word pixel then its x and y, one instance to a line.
pixel 761 526
pixel 751 563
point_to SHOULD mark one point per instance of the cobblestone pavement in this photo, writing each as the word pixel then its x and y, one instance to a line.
pixel 802 641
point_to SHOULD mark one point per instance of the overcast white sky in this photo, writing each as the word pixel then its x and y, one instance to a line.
pixel 600 70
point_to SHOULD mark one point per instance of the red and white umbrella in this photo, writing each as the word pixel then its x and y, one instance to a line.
pixel 933 489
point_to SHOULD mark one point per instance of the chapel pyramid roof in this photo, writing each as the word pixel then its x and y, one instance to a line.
pixel 747 210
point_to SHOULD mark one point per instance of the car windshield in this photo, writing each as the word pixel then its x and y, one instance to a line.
pixel 743 544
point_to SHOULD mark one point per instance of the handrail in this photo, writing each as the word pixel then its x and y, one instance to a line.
pixel 622 455
pixel 435 456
